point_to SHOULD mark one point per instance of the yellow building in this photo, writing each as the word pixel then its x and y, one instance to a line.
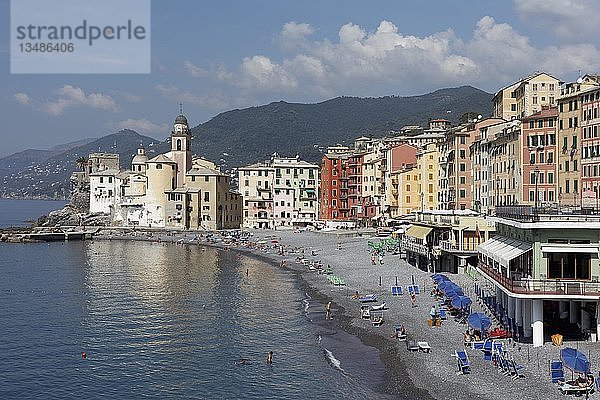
pixel 526 96
pixel 428 173
pixel 409 196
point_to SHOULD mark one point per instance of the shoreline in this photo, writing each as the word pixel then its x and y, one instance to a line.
pixel 407 375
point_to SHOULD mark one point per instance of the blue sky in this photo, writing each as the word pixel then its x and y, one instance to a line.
pixel 219 55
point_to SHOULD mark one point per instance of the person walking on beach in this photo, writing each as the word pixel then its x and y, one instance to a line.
pixel 373 258
pixel 413 299
pixel 380 258
pixel 328 311
pixel 433 315
pixel 270 357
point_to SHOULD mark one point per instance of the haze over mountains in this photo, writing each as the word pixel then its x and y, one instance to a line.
pixel 245 136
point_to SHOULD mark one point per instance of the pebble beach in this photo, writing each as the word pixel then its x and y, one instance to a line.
pixel 412 375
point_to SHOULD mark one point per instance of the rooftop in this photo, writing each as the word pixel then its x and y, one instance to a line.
pixel 528 217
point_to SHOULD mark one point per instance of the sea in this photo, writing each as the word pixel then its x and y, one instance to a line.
pixel 22 212
pixel 165 321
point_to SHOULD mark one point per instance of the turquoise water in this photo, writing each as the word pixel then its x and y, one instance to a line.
pixel 18 212
pixel 166 321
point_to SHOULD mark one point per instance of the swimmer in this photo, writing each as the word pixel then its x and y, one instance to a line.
pixel 270 357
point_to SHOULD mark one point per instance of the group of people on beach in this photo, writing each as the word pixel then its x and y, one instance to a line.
pixel 376 255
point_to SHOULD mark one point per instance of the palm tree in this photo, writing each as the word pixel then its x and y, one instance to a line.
pixel 81 163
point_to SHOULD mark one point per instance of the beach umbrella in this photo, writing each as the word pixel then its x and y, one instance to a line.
pixel 440 278
pixel 461 301
pixel 445 285
pixel 479 321
pixel 575 360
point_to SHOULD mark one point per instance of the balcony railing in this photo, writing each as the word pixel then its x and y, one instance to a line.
pixel 447 245
pixel 414 247
pixel 543 286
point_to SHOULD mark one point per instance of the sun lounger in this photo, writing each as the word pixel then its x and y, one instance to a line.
pixel 368 298
pixel 462 361
pixel 487 350
pixel 376 318
pixel 515 369
pixel 411 345
pixel 424 347
pixel 443 313
pixel 399 335
pixel 365 312
pixel 413 289
pixel 378 307
pixel 396 290
pixel 568 388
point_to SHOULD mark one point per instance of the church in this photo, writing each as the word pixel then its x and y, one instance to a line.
pixel 171 190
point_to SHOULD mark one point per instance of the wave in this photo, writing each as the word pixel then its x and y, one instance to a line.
pixel 333 361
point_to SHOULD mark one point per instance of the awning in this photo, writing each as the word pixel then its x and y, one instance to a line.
pixel 419 232
pixel 570 249
pixel 310 191
pixel 503 249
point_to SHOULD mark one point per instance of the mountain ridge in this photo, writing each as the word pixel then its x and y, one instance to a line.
pixel 243 136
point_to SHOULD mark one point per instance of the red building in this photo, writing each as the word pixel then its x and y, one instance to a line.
pixel 539 152
pixel 341 179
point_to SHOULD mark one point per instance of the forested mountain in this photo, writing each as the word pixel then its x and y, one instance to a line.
pixel 241 137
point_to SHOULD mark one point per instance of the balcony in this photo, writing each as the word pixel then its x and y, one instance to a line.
pixel 448 246
pixel 541 287
pixel 414 247
pixel 263 189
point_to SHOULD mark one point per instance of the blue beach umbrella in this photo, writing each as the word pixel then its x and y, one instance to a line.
pixel 479 321
pixel 575 360
pixel 440 278
pixel 461 301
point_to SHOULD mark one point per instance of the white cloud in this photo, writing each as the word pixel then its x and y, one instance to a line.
pixel 22 99
pixel 386 61
pixel 194 70
pixel 72 96
pixel 568 19
pixel 143 126
pixel 210 102
pixel 294 35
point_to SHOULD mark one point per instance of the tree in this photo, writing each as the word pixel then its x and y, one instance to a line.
pixel 81 163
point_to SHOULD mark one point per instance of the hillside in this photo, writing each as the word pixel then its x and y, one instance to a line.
pixel 49 176
pixel 249 135
pixel 255 133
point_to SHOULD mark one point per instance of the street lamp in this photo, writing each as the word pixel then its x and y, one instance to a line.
pixel 537 172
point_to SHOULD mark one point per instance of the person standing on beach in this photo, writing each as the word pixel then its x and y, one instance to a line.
pixel 373 258
pixel 413 299
pixel 380 258
pixel 328 311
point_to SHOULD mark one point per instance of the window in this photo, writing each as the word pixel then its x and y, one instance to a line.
pixel 551 195
pixel 408 188
pixel 550 177
pixel 462 153
pixel 574 165
pixel 569 266
pixel 407 199
pixel 532 178
pixel 158 166
pixel 531 195
pixel 463 140
pixel 206 178
pixel 206 196
pixel 463 180
pixel 540 123
pixel 463 193
pixel 542 157
pixel 531 124
pixel 463 167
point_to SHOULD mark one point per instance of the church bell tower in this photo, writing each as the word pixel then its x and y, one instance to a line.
pixel 181 142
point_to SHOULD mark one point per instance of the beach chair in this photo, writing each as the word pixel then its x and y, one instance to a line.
pixel 411 345
pixel 399 335
pixel 399 291
pixel 424 347
pixel 462 361
pixel 443 314
pixel 487 349
pixel 516 369
pixel 376 318
pixel 557 373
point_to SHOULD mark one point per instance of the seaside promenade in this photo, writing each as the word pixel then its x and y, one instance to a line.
pixel 409 374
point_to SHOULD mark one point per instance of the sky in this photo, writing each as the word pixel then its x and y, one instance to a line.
pixel 215 56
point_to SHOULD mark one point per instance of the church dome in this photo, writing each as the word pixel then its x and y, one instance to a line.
pixel 181 119
pixel 139 159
